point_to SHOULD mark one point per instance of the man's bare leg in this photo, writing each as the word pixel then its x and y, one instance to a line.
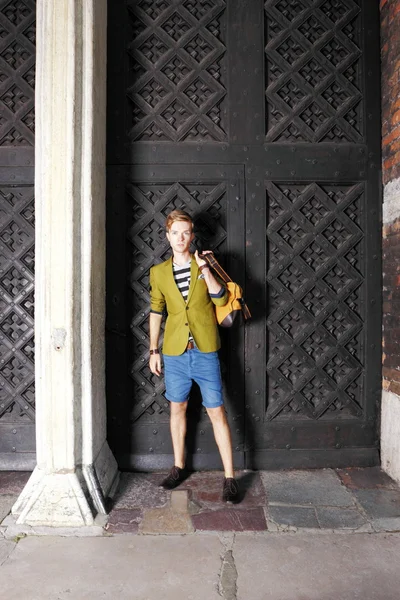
pixel 222 434
pixel 178 431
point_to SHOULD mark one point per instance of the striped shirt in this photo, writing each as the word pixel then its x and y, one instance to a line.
pixel 182 280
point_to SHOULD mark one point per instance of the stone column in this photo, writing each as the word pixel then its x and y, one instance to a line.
pixel 75 468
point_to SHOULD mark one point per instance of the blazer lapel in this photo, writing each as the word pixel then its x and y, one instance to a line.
pixel 194 273
pixel 175 293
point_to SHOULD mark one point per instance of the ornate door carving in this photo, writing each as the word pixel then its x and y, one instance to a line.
pixel 17 83
pixel 280 99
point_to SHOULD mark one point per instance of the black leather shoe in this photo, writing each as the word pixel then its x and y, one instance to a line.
pixel 230 492
pixel 174 478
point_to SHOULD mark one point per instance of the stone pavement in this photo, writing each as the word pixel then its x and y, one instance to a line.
pixel 213 566
pixel 342 500
pixel 296 535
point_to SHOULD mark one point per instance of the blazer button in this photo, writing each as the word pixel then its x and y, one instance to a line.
pixel 187 308
pixel 187 324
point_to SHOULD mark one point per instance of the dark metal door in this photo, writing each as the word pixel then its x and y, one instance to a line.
pixel 17 84
pixel 263 120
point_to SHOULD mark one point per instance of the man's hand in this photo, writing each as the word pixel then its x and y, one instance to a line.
pixel 155 364
pixel 200 261
pixel 214 287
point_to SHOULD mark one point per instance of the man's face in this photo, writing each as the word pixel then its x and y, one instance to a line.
pixel 180 236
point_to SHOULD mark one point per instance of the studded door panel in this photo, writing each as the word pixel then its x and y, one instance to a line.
pixel 178 54
pixel 17 83
pixel 317 301
pixel 314 71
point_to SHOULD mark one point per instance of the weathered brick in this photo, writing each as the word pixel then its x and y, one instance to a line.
pixel 393 135
pixel 390 67
pixel 391 375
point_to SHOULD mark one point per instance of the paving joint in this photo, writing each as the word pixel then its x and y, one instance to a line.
pixel 363 512
pixel 227 539
pixel 227 584
pixel 8 554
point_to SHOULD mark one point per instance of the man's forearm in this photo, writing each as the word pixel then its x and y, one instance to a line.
pixel 214 287
pixel 155 327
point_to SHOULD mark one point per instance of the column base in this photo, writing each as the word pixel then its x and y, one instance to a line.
pixel 68 499
pixel 55 499
pixel 10 530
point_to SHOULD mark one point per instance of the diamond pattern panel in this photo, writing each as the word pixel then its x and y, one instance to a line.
pixel 17 129
pixel 17 73
pixel 16 301
pixel 150 203
pixel 313 71
pixel 316 300
pixel 178 54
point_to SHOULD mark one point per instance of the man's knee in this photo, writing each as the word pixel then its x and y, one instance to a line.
pixel 178 408
pixel 217 415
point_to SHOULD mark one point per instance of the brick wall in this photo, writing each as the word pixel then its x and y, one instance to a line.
pixel 390 44
pixel 390 415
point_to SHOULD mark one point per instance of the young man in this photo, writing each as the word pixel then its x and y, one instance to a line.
pixel 185 286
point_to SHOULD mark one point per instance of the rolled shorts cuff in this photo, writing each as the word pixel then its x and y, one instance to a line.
pixel 175 400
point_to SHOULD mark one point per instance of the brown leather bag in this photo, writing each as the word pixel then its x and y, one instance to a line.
pixel 226 314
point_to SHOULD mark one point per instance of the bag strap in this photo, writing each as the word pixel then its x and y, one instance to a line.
pixel 214 264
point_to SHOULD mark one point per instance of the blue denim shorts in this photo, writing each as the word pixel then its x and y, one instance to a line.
pixel 193 365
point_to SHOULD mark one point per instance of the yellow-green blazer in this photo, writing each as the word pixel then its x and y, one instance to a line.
pixel 197 315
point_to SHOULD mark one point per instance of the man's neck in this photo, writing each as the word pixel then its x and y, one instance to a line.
pixel 181 258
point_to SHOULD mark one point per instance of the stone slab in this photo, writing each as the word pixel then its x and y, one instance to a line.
pixel 180 501
pixel 230 519
pixel 165 520
pixel 293 516
pixel 13 482
pixel 380 504
pixel 317 567
pixel 140 490
pixel 6 503
pixel 340 518
pixel 110 568
pixel 366 479
pixel 392 524
pixel 124 520
pixel 319 488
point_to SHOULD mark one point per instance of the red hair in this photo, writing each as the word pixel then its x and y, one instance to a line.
pixel 177 215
